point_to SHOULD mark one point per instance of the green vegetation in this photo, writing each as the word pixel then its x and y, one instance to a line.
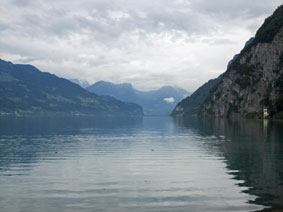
pixel 25 89
pixel 265 34
pixel 275 107
pixel 280 64
pixel 193 103
pixel 281 58
pixel 243 81
pixel 279 84
pixel 245 74
pixel 233 108
pixel 253 115
pixel 270 27
pixel 245 68
pixel 278 115
pixel 279 104
pixel 59 98
pixel 6 77
pixel 266 100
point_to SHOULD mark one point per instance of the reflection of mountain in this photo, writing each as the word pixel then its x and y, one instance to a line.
pixel 26 140
pixel 155 102
pixel 253 153
pixel 63 125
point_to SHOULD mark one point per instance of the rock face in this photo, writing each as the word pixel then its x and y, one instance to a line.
pixel 26 90
pixel 254 80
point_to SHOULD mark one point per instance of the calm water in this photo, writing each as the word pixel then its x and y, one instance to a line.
pixel 147 164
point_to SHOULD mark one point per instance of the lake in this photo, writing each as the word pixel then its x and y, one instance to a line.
pixel 139 164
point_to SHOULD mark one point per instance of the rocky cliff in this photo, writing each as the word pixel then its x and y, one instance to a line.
pixel 190 106
pixel 254 80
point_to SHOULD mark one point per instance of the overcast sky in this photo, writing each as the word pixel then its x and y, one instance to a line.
pixel 149 43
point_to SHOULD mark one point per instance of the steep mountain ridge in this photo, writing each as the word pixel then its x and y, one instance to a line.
pixel 254 80
pixel 82 83
pixel 156 102
pixel 25 89
pixel 190 106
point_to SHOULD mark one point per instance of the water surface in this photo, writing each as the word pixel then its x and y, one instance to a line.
pixel 139 164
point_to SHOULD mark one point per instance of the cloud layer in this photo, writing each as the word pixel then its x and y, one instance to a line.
pixel 147 43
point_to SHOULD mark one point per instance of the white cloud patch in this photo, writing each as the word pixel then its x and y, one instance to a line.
pixel 147 43
pixel 169 100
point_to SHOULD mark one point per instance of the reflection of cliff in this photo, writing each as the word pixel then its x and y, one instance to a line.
pixel 253 153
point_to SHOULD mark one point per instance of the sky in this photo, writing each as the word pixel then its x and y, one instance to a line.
pixel 149 43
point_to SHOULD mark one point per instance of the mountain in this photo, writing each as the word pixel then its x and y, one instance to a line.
pixel 25 89
pixel 254 80
pixel 190 106
pixel 124 91
pixel 156 102
pixel 82 83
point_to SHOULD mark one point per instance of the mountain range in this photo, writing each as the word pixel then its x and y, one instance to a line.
pixel 25 90
pixel 155 102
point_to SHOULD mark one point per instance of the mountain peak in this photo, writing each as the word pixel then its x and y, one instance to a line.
pixel 102 83
pixel 268 30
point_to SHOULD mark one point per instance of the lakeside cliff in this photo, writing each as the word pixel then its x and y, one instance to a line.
pixel 253 80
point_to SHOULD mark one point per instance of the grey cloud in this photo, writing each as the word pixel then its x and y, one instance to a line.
pixel 63 22
pixel 236 8
pixel 22 3
pixel 99 39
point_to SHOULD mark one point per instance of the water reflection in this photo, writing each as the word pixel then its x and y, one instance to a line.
pixel 138 164
pixel 25 140
pixel 46 125
pixel 253 152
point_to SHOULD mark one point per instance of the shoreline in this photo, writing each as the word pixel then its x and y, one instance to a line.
pixel 271 210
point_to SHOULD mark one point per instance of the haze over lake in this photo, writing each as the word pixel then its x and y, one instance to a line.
pixel 139 164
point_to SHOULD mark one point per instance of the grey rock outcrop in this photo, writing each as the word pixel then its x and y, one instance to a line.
pixel 254 80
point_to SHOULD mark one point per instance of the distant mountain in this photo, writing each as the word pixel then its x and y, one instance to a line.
pixel 190 106
pixel 82 83
pixel 25 89
pixel 156 102
pixel 254 80
pixel 124 91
